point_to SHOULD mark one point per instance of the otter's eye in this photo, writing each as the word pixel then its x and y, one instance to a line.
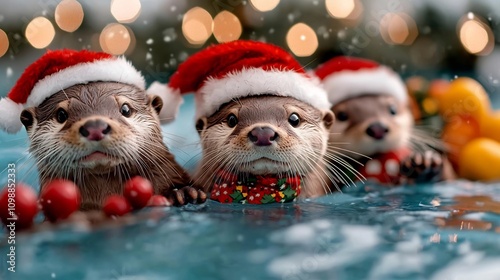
pixel 393 110
pixel 61 115
pixel 342 116
pixel 125 110
pixel 232 120
pixel 294 120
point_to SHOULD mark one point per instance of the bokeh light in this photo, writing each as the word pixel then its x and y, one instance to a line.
pixel 40 32
pixel 302 39
pixel 340 8
pixel 69 15
pixel 475 35
pixel 197 25
pixel 227 27
pixel 4 43
pixel 115 39
pixel 398 29
pixel 125 11
pixel 264 5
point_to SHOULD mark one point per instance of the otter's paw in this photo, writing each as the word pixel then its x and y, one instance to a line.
pixel 422 167
pixel 185 195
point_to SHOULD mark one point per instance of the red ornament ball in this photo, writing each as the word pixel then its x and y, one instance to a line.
pixel 138 191
pixel 116 205
pixel 59 199
pixel 18 201
pixel 158 201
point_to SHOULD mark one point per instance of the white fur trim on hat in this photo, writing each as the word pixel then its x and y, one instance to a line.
pixel 10 115
pixel 257 81
pixel 171 98
pixel 107 70
pixel 348 84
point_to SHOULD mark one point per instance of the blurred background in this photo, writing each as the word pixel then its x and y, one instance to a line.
pixel 437 39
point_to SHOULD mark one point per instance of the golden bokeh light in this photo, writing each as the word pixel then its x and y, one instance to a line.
pixel 227 27
pixel 40 32
pixel 264 5
pixel 197 25
pixel 475 35
pixel 4 43
pixel 302 40
pixel 69 15
pixel 115 39
pixel 125 11
pixel 340 8
pixel 398 29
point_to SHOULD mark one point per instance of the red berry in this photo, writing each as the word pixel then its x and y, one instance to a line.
pixel 23 202
pixel 116 205
pixel 138 191
pixel 59 199
pixel 158 200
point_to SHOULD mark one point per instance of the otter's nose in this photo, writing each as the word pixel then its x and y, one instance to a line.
pixel 95 130
pixel 377 130
pixel 262 136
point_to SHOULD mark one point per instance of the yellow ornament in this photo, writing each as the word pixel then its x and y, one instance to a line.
pixel 465 96
pixel 480 160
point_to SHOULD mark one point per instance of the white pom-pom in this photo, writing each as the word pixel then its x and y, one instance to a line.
pixel 171 98
pixel 10 115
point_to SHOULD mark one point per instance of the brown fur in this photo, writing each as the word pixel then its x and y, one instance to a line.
pixel 296 150
pixel 134 146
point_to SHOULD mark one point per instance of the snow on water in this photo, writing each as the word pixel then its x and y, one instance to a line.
pixel 473 266
pixel 324 256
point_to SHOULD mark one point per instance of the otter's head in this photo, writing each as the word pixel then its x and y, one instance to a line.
pixel 264 135
pixel 371 124
pixel 92 128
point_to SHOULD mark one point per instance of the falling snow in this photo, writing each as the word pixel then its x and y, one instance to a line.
pixel 9 72
pixel 150 41
pixel 341 34
pixel 173 8
pixel 183 56
pixel 172 62
pixel 271 30
pixel 149 56
pixel 169 35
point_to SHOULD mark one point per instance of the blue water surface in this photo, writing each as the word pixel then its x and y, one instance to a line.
pixel 446 231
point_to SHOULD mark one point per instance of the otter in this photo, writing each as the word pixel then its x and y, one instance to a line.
pixel 266 135
pixel 101 134
pixel 373 124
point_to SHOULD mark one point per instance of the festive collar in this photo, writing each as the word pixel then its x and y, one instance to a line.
pixel 247 188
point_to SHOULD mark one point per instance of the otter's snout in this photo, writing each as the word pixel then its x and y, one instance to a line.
pixel 377 130
pixel 95 130
pixel 262 136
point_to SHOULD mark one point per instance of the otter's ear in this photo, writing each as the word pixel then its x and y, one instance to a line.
pixel 328 119
pixel 28 118
pixel 156 102
pixel 201 124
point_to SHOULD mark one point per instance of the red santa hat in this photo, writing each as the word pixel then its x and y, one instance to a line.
pixel 346 77
pixel 58 70
pixel 228 71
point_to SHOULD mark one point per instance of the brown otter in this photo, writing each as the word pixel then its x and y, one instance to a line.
pixel 99 135
pixel 266 135
pixel 370 125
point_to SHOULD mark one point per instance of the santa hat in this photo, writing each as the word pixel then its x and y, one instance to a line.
pixel 228 71
pixel 58 70
pixel 346 77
